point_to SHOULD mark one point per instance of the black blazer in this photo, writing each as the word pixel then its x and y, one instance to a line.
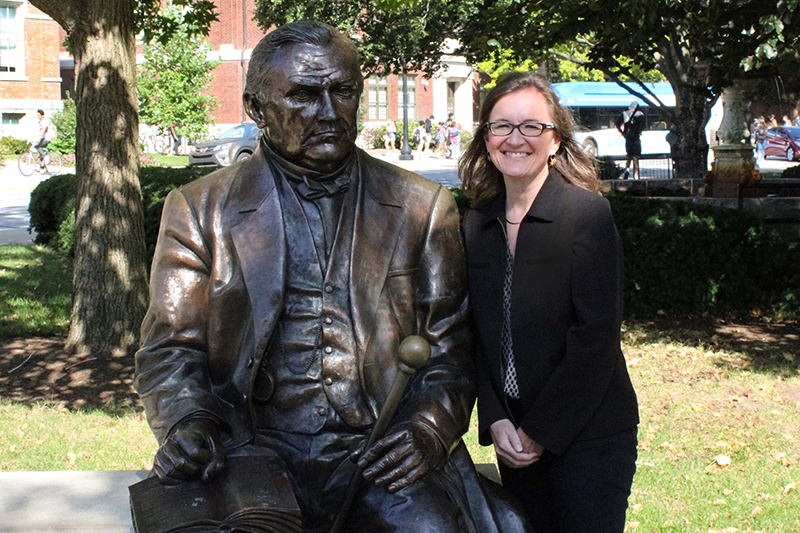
pixel 565 317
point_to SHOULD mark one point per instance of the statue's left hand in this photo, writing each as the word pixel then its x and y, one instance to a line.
pixel 409 452
pixel 194 449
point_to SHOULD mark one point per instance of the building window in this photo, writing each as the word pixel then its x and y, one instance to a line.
pixel 412 106
pixel 11 52
pixel 12 119
pixel 378 98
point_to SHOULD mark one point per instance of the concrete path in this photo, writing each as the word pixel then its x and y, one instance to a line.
pixel 66 502
pixel 15 195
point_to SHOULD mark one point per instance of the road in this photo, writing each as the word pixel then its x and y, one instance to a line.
pixel 15 189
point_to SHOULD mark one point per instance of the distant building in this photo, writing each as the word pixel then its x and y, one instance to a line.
pixel 29 67
pixel 235 34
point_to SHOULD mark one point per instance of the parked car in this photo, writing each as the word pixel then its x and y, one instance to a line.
pixel 783 141
pixel 236 144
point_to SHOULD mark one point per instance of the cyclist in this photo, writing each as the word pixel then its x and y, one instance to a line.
pixel 45 134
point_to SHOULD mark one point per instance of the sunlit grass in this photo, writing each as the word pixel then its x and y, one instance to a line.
pixel 35 291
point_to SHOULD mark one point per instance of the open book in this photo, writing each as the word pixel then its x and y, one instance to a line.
pixel 252 495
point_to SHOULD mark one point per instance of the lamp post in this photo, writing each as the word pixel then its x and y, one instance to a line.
pixel 405 151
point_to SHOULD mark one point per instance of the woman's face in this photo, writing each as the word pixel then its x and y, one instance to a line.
pixel 517 156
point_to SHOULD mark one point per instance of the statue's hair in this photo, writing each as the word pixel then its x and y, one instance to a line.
pixel 483 181
pixel 302 32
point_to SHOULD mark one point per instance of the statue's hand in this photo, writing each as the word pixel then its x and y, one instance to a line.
pixel 194 449
pixel 409 452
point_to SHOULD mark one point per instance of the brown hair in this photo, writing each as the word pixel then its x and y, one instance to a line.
pixel 481 178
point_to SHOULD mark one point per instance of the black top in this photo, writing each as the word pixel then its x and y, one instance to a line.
pixel 566 316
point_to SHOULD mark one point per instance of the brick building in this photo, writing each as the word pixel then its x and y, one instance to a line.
pixel 235 34
pixel 29 67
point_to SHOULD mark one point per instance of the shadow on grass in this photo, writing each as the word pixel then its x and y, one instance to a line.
pixel 767 346
pixel 38 369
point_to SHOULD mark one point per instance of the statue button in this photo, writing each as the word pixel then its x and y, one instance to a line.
pixel 321 411
pixel 329 288
pixel 328 349
pixel 250 363
pixel 328 320
pixel 328 381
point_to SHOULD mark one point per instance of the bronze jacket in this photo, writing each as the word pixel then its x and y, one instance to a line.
pixel 217 286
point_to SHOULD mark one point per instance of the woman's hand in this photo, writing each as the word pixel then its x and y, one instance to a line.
pixel 513 447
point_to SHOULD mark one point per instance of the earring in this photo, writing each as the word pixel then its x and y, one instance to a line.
pixel 551 160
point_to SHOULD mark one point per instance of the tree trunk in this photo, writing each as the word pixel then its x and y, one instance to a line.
pixel 109 277
pixel 690 153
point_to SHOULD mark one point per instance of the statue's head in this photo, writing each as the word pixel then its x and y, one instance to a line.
pixel 303 88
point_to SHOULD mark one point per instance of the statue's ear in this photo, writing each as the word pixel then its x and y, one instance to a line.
pixel 254 110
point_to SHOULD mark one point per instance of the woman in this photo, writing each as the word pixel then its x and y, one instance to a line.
pixel 545 266
pixel 391 133
pixel 441 136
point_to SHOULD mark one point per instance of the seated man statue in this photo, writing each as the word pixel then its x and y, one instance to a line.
pixel 281 289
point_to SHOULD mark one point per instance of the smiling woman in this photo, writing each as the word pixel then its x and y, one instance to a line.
pixel 545 279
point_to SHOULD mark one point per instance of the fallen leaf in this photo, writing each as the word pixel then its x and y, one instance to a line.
pixel 789 487
pixel 722 460
pixel 757 511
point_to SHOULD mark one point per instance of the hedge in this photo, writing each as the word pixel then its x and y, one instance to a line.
pixel 52 206
pixel 687 259
pixel 680 258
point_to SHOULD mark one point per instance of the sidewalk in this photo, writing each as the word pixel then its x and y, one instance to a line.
pixel 15 195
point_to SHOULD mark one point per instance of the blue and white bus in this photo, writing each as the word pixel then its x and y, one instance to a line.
pixel 596 105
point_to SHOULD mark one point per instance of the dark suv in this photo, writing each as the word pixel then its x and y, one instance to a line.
pixel 236 144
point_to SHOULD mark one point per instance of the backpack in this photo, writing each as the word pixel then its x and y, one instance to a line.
pixel 51 132
pixel 416 137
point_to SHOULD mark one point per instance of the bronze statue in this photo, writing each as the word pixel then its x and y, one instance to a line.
pixel 281 289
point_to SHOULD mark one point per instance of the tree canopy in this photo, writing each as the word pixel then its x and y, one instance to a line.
pixel 172 80
pixel 699 45
pixel 393 34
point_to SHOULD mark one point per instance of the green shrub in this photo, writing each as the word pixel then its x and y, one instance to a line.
pixel 65 121
pixel 11 145
pixel 682 258
pixel 609 169
pixel 791 173
pixel 688 259
pixel 52 206
pixel 52 202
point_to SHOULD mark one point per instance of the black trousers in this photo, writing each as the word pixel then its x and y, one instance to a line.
pixel 585 490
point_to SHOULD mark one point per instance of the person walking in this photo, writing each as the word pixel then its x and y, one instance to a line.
pixel 440 138
pixel 176 137
pixel 545 282
pixel 454 138
pixel 420 137
pixel 630 125
pixel 391 135
pixel 761 138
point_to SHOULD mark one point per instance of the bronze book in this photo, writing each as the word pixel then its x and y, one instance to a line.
pixel 252 495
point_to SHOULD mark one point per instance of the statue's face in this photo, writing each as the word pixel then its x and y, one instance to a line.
pixel 311 105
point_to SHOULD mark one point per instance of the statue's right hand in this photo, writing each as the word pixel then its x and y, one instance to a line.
pixel 194 449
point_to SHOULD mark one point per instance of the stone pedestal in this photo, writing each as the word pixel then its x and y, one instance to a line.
pixel 733 164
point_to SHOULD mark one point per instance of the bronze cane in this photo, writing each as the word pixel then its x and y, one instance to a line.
pixel 414 353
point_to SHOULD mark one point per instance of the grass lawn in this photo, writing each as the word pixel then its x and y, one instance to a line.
pixel 718 442
pixel 169 160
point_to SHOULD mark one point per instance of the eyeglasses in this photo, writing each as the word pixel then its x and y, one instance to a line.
pixel 527 129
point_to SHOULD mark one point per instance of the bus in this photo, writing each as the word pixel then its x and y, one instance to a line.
pixel 595 106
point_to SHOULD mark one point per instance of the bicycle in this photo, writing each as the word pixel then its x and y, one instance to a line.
pixel 30 162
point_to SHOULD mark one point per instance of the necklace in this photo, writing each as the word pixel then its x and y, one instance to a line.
pixel 514 223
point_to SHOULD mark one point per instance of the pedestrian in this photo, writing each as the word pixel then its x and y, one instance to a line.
pixel 761 138
pixel 441 140
pixel 420 137
pixel 454 138
pixel 391 135
pixel 786 121
pixel 545 280
pixel 630 124
pixel 428 128
pixel 176 137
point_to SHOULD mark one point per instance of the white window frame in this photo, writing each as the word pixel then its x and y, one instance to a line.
pixel 12 30
pixel 411 85
pixel 378 98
